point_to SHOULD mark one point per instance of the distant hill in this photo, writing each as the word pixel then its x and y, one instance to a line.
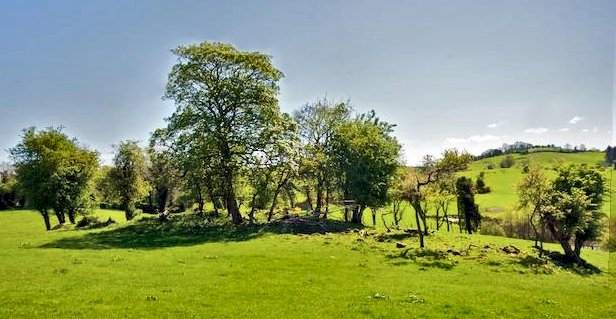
pixel 503 181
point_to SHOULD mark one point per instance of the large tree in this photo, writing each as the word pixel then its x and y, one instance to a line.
pixel 366 155
pixel 226 99
pixel 128 176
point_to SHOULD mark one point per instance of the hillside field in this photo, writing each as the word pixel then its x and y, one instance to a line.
pixel 184 270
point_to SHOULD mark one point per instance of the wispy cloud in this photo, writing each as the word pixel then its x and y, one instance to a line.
pixel 585 130
pixel 536 130
pixel 564 129
pixel 473 139
pixel 595 129
pixel 494 125
pixel 575 119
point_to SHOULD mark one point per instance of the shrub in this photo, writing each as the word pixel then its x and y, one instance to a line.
pixel 507 162
pixel 480 185
pixel 491 166
pixel 491 227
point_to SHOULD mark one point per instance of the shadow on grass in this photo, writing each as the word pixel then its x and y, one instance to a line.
pixel 551 259
pixel 188 230
pixel 429 258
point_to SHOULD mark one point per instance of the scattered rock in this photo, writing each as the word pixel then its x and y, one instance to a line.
pixel 510 249
pixel 454 252
pixel 400 245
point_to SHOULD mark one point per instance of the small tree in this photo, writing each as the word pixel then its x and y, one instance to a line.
pixel 432 171
pixel 128 176
pixel 569 207
pixel 53 172
pixel 466 204
pixel 480 184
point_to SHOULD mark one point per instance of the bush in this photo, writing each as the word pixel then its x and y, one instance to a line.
pixel 480 185
pixel 507 162
pixel 491 227
pixel 491 166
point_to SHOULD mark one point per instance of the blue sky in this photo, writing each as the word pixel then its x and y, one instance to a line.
pixel 460 74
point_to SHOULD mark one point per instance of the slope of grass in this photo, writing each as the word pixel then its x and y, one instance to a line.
pixel 143 269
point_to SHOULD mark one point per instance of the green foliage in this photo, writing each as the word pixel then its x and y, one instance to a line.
pixel 54 172
pixel 480 184
pixel 128 176
pixel 507 162
pixel 366 155
pixel 227 110
pixel 569 206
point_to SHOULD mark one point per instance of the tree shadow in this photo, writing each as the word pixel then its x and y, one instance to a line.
pixel 430 258
pixel 191 229
pixel 551 259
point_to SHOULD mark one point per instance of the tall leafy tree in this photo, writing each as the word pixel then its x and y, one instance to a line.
pixel 317 124
pixel 367 156
pixel 226 104
pixel 128 176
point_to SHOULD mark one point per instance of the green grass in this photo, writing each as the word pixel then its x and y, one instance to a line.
pixel 143 269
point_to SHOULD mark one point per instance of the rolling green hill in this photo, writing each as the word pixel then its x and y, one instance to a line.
pixel 503 181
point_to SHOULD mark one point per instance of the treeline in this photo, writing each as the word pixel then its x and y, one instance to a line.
pixel 228 146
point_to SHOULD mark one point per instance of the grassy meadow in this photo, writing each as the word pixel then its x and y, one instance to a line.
pixel 189 270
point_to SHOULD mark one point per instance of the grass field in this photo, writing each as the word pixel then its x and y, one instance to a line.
pixel 143 269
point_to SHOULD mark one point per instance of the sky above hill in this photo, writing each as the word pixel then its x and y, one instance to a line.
pixel 470 75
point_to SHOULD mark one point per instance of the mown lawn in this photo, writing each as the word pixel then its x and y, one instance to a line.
pixel 142 270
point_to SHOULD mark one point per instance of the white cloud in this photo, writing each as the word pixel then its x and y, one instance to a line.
pixel 536 130
pixel 575 119
pixel 494 125
pixel 564 129
pixel 473 139
pixel 585 130
pixel 595 129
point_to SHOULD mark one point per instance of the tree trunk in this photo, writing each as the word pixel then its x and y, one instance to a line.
pixel 71 216
pixel 358 212
pixel 270 214
pixel 319 202
pixel 346 214
pixel 373 210
pixel 60 216
pixel 309 198
pixel 579 243
pixel 290 196
pixel 162 197
pixel 45 215
pixel 417 208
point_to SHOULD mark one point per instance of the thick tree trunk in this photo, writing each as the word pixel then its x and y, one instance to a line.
pixel 346 214
pixel 45 215
pixel 162 197
pixel 578 247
